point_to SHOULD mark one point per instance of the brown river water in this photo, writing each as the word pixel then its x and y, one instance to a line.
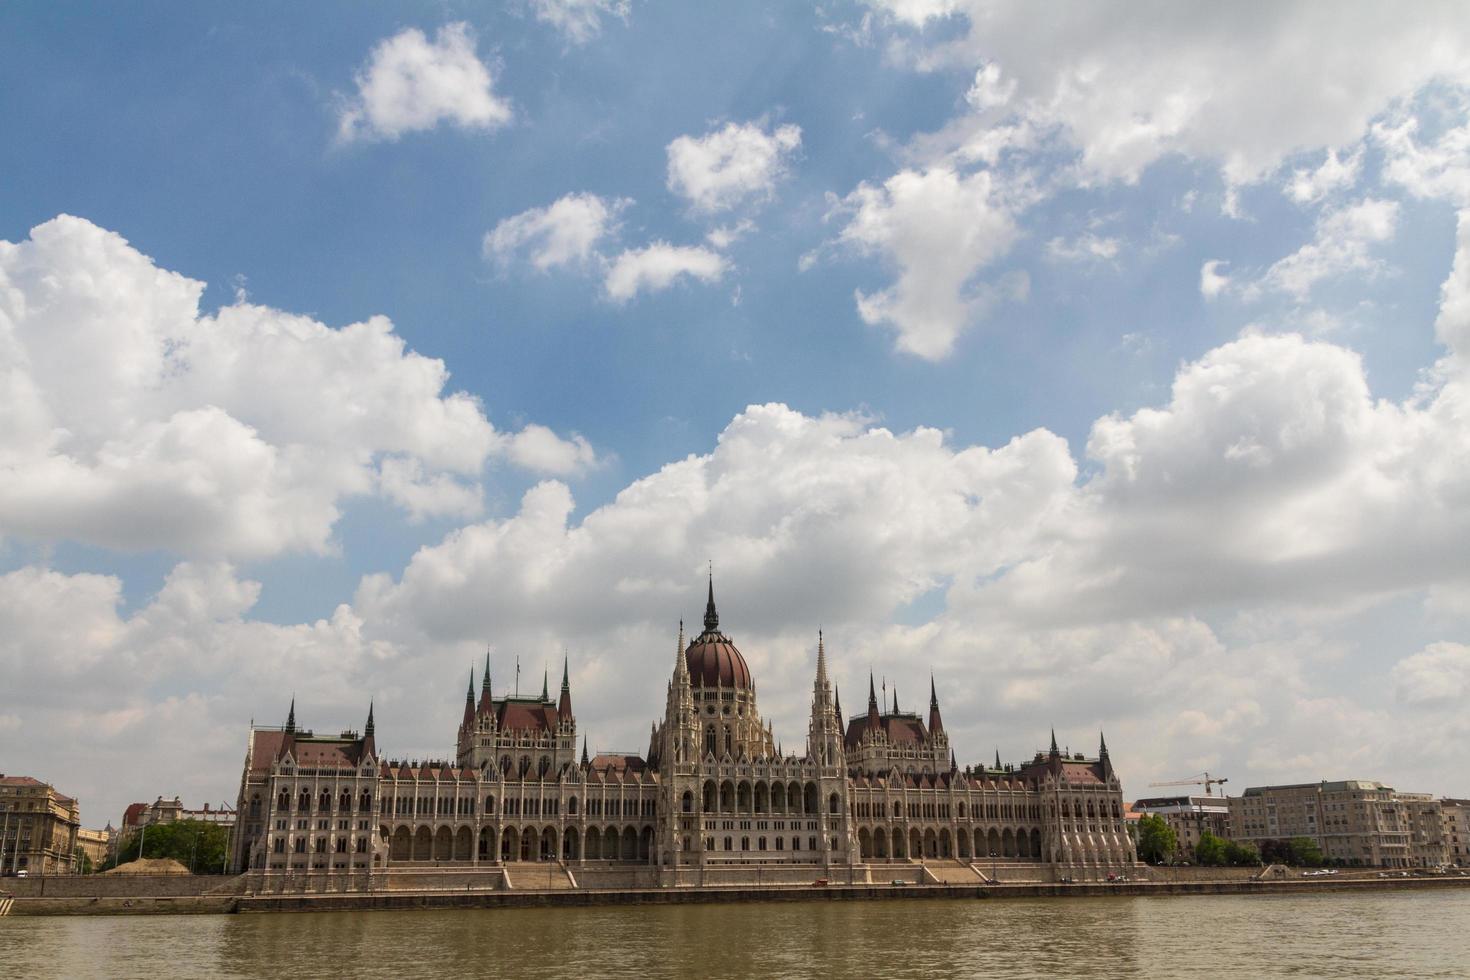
pixel 1389 934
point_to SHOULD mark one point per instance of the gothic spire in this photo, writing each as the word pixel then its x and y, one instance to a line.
pixel 837 706
pixel 681 667
pixel 564 706
pixel 469 702
pixel 997 758
pixel 873 720
pixel 1102 746
pixel 367 731
pixel 584 752
pixel 485 696
pixel 545 691
pixel 936 724
pixel 711 618
pixel 1054 750
pixel 291 717
pixel 895 699
pixel 821 660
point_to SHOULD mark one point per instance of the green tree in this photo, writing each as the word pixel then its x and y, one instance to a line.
pixel 197 845
pixel 1210 850
pixel 1241 854
pixel 1156 839
pixel 1304 851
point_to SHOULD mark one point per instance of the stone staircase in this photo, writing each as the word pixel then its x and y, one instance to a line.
pixel 539 877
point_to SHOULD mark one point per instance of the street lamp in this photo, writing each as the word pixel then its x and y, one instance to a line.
pixel 992 867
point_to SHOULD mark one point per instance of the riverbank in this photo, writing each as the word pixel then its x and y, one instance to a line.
pixel 532 898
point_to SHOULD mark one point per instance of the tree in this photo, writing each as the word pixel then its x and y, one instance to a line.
pixel 199 846
pixel 1210 850
pixel 1156 839
pixel 1241 854
pixel 1304 850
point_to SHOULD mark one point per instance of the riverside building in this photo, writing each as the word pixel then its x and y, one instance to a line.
pixel 712 792
pixel 1352 821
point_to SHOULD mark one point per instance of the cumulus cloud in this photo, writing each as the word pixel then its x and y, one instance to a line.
pixel 1213 282
pixel 410 83
pixel 939 229
pixel 1128 90
pixel 565 233
pixel 1438 674
pixel 656 267
pixel 731 166
pixel 1343 243
pixel 579 20
pixel 136 421
pixel 1335 173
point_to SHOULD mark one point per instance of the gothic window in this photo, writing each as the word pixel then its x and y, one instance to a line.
pixel 346 803
pixel 525 765
pixel 362 845
pixel 687 802
pixel 366 803
pixel 255 806
pixel 305 800
pixel 729 740
pixel 505 764
pixel 543 766
pixel 572 806
pixel 280 845
pixel 301 845
pixel 709 740
pixel 326 802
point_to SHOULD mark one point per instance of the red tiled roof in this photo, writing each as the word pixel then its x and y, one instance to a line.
pixel 517 715
pixel 20 781
pixel 618 764
pixel 132 814
pixel 900 729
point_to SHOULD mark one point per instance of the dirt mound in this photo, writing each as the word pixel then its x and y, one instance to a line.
pixel 149 866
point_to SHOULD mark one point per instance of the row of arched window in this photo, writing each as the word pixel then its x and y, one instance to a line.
pixel 323 802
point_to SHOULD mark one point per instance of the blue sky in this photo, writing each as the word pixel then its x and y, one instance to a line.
pixel 1111 365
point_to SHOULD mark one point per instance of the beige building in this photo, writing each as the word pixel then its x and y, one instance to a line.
pixel 1455 831
pixel 1354 821
pixel 714 790
pixel 38 827
pixel 1189 817
pixel 94 845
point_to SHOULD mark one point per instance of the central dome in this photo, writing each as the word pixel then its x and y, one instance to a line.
pixel 712 659
pixel 714 662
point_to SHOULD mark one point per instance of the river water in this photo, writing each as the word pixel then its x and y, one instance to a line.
pixel 1390 934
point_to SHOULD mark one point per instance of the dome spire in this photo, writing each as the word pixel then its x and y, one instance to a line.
pixel 711 618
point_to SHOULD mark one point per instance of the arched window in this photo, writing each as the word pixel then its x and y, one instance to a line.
pixel 346 802
pixel 729 741
pixel 543 765
pixel 572 806
pixel 326 801
pixel 834 804
pixel 255 805
pixel 709 740
pixel 525 765
pixel 489 804
pixel 505 764
pixel 687 802
pixel 284 802
pixel 366 802
pixel 305 801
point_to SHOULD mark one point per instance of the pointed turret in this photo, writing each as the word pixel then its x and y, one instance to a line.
pixel 874 723
pixel 1055 752
pixel 837 706
pixel 291 717
pixel 681 664
pixel 564 706
pixel 953 766
pixel 1102 754
pixel 711 618
pixel 997 760
pixel 585 763
pixel 486 706
pixel 824 734
pixel 545 690
pixel 368 729
pixel 895 699
pixel 936 724
pixel 469 702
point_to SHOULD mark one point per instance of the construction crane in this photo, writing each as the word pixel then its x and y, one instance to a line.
pixel 1203 779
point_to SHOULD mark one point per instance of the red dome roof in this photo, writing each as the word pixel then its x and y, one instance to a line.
pixel 714 661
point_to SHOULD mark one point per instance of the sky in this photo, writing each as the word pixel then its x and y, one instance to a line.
pixel 1108 363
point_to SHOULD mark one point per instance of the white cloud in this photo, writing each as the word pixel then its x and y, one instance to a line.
pixel 1439 170
pixel 1084 248
pixel 1438 674
pixel 1335 173
pixel 411 83
pixel 579 20
pixel 658 266
pixel 135 421
pixel 1343 244
pixel 565 233
pixel 939 229
pixel 728 167
pixel 1129 87
pixel 1213 282
pixel 538 448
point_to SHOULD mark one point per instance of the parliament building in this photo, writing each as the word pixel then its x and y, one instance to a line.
pixel 713 791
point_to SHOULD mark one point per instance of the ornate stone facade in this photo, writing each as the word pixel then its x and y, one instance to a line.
pixel 713 791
